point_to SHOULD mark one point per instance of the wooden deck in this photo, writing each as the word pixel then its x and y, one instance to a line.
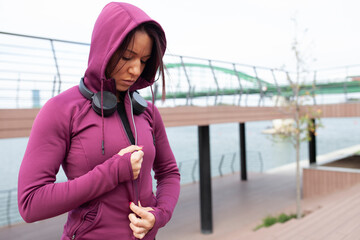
pixel 18 122
pixel 236 205
pixel 239 206
pixel 334 217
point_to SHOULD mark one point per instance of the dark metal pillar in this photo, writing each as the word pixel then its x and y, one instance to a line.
pixel 312 145
pixel 205 180
pixel 243 152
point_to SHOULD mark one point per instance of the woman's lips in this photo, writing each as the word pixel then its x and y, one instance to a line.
pixel 128 82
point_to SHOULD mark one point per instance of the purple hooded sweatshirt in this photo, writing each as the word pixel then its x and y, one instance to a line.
pixel 68 132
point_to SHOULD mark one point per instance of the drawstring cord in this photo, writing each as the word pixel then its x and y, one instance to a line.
pixel 132 117
pixel 102 118
pixel 153 114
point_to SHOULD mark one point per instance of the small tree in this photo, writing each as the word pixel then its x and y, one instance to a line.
pixel 302 121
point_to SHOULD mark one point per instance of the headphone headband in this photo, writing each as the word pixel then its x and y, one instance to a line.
pixel 110 101
pixel 84 90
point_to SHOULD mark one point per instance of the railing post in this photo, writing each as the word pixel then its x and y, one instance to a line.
pixel 216 81
pixel 193 171
pixel 240 86
pixel 232 162
pixel 205 180
pixel 312 144
pixel 54 86
pixel 220 164
pixel 8 205
pixel 260 87
pixel 261 162
pixel 179 167
pixel 243 152
pixel 56 64
pixel 188 80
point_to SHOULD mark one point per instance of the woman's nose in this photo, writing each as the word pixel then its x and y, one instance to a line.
pixel 135 68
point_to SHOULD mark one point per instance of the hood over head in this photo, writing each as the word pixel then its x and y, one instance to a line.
pixel 115 21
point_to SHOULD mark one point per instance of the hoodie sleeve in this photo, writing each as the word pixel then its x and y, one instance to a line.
pixel 39 197
pixel 167 176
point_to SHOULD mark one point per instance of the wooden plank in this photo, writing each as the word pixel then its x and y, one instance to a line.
pixel 15 133
pixel 327 181
pixel 19 113
pixel 20 120
pixel 13 124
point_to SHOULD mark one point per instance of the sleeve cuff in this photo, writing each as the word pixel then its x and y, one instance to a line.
pixel 152 233
pixel 159 222
pixel 125 172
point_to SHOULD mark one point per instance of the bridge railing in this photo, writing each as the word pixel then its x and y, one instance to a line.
pixel 223 164
pixel 34 69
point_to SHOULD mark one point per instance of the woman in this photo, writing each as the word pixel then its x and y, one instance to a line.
pixel 106 150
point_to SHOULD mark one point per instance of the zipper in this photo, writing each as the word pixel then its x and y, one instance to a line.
pixel 81 223
pixel 125 130
pixel 77 228
pixel 134 181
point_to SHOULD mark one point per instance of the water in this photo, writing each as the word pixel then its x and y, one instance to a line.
pixel 263 153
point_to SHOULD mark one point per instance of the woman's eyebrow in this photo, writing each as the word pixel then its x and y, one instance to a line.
pixel 131 51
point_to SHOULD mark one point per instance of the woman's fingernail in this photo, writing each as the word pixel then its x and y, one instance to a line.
pixel 141 146
pixel 130 203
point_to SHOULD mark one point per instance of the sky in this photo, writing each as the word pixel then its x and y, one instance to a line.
pixel 254 32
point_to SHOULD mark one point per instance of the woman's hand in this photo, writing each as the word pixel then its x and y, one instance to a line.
pixel 136 158
pixel 141 220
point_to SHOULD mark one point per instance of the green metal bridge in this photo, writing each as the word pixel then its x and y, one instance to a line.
pixel 262 86
pixel 34 69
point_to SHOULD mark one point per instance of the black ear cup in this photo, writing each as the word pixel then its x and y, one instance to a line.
pixel 110 102
pixel 139 103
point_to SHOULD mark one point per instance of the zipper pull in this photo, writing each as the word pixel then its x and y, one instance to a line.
pixel 73 237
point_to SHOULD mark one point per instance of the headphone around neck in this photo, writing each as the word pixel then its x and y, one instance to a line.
pixel 110 101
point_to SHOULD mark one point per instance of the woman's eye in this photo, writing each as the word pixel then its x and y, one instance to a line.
pixel 126 58
pixel 143 62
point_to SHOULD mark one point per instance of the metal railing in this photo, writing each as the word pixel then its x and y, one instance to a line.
pixel 221 165
pixel 189 170
pixel 34 69
pixel 9 213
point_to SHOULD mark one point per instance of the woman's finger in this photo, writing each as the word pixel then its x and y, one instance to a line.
pixel 137 155
pixel 146 220
pixel 139 236
pixel 136 161
pixel 136 229
pixel 129 149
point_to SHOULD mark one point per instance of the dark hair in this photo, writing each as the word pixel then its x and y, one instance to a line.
pixel 154 63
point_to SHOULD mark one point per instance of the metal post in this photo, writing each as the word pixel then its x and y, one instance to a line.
pixel 188 96
pixel 216 81
pixel 243 152
pixel 56 64
pixel 8 217
pixel 220 164
pixel 205 180
pixel 260 87
pixel 312 145
pixel 232 163
pixel 240 86
pixel 193 171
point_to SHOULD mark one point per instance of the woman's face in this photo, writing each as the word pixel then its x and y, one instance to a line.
pixel 133 61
